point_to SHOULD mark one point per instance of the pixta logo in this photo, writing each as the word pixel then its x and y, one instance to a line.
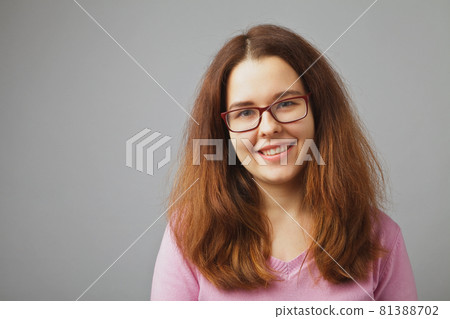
pixel 253 154
pixel 142 147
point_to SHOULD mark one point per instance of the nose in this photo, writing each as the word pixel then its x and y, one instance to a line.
pixel 268 125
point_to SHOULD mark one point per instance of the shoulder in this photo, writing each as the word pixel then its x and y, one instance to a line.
pixel 172 252
pixel 386 230
pixel 174 277
pixel 393 276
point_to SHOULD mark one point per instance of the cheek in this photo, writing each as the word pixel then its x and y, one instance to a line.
pixel 310 129
pixel 238 140
pixel 310 124
pixel 303 130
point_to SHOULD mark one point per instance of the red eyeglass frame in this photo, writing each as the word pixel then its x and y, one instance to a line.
pixel 263 109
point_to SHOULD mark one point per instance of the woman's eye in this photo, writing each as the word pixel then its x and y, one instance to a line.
pixel 285 104
pixel 245 113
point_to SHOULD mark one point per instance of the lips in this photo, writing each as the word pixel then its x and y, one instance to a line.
pixel 274 150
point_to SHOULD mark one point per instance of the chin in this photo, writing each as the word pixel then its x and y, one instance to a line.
pixel 276 178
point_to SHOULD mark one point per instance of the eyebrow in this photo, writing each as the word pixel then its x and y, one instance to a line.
pixel 276 96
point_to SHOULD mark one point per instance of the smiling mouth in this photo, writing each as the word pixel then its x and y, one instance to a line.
pixel 275 151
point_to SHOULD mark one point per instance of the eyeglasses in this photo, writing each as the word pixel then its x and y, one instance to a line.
pixel 285 111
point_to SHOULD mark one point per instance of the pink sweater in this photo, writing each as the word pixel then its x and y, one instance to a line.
pixel 392 277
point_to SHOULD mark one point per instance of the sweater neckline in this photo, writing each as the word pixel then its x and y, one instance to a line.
pixel 287 268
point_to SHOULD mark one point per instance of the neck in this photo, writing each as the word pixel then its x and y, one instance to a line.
pixel 279 199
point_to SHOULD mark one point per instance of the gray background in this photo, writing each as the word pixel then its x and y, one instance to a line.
pixel 70 98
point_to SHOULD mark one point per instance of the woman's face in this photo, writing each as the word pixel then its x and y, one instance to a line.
pixel 259 83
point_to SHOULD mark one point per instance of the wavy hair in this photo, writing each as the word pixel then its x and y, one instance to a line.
pixel 218 224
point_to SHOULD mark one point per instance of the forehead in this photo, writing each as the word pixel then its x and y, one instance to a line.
pixel 258 80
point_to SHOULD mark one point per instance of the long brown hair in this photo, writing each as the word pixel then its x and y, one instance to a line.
pixel 217 223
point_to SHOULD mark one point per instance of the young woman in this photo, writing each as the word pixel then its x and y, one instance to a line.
pixel 297 217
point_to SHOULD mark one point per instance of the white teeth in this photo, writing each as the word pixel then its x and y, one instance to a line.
pixel 273 151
